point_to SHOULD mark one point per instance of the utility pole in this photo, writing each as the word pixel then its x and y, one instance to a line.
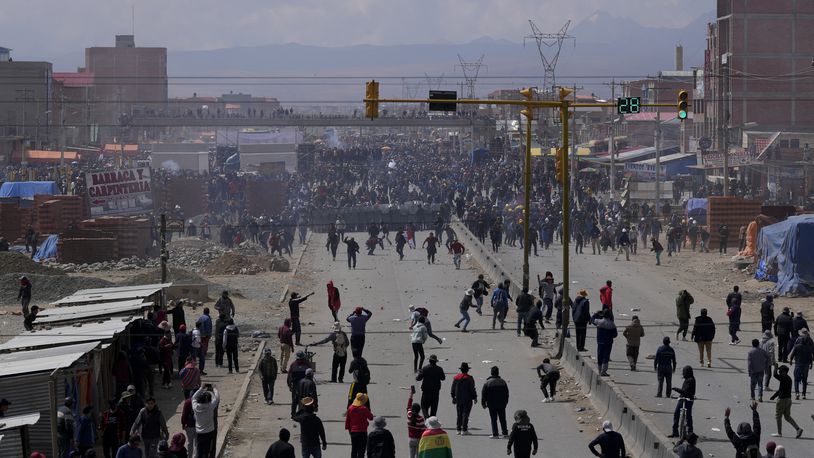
pixel 62 131
pixel 164 255
pixel 658 154
pixel 611 143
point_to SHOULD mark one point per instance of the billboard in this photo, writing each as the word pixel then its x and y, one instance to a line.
pixel 646 171
pixel 119 192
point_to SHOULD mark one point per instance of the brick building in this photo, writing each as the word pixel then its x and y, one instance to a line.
pixel 127 80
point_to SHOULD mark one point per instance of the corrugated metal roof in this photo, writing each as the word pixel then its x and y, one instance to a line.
pixel 67 335
pixel 17 421
pixel 46 359
pixel 666 159
pixel 90 296
pixel 83 312
pixel 629 155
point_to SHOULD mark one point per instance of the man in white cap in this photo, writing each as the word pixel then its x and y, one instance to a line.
pixel 340 343
pixel 463 307
pixel 623 243
pixel 610 443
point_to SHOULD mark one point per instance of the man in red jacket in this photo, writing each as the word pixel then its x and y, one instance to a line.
pixel 606 296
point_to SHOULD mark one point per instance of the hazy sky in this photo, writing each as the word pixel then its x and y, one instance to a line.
pixel 42 28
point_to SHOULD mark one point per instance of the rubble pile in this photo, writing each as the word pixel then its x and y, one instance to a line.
pixel 233 264
pixel 19 263
pixel 192 254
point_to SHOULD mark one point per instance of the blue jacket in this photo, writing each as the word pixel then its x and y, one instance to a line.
pixel 206 325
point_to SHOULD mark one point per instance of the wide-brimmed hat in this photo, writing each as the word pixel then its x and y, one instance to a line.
pixel 307 401
pixel 380 422
pixel 126 394
pixel 583 293
pixel 464 367
pixel 361 399
pixel 336 326
pixel 470 292
pixel 432 423
pixel 300 355
pixel 433 358
pixel 164 326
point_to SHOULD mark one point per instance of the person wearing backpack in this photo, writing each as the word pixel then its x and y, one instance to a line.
pixel 747 438
pixel 500 303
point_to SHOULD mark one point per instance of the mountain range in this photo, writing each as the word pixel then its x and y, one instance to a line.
pixel 605 47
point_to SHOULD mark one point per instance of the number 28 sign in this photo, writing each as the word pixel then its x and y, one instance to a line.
pixel 628 105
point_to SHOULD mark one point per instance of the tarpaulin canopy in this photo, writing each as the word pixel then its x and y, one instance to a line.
pixel 787 247
pixel 48 249
pixel 29 189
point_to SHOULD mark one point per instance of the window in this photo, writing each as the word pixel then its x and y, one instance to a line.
pixel 795 142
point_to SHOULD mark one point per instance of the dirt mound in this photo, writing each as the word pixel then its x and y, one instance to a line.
pixel 234 264
pixel 13 262
pixel 47 288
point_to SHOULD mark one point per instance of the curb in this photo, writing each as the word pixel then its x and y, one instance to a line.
pixel 296 266
pixel 639 432
pixel 223 433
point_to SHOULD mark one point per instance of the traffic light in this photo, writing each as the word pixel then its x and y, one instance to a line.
pixel 682 105
pixel 372 99
pixel 560 165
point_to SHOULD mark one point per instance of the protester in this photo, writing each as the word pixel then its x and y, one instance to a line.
pixel 802 355
pixel 767 345
pixel 356 422
pixel 294 314
pixel 733 311
pixel 633 334
pixel 581 316
pixel 686 447
pixel 783 404
pixel 683 302
pixel 230 345
pixel 225 306
pixel 334 301
pixel 434 441
pixel 610 443
pixel 151 426
pixel 495 397
pixel 415 424
pixel 686 400
pixel 464 396
pixel 65 426
pixel 281 448
pixel 312 433
pixel 665 365
pixel 417 339
pixel 500 303
pixel 286 337
pixel 296 372
pixel 523 437
pixel 605 333
pixel 430 377
pixel 747 438
pixel 205 403
pixel 340 343
pixel 268 375
pixel 24 295
pixel 463 307
pixel 703 333
pixel 549 375
pixel 380 442
pixel 757 360
pixel 481 289
pixel 358 321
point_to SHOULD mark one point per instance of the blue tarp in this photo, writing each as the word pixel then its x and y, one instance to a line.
pixel 48 249
pixel 697 210
pixel 29 189
pixel 787 247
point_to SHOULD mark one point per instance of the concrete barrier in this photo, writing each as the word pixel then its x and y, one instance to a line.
pixel 641 435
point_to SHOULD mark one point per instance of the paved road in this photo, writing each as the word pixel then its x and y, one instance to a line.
pixel 386 286
pixel 640 284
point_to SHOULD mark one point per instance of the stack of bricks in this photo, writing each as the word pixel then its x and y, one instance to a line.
pixel 132 233
pixel 54 214
pixel 732 211
pixel 10 221
pixel 80 247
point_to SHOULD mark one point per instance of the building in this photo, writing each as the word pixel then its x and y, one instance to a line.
pixel 758 87
pixel 28 91
pixel 76 119
pixel 128 81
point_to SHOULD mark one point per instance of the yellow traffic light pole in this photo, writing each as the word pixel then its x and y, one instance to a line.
pixel 372 101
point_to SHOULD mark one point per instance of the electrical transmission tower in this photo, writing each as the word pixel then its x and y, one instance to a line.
pixel 434 83
pixel 549 45
pixel 470 71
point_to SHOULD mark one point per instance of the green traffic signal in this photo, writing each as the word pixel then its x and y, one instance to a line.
pixel 682 114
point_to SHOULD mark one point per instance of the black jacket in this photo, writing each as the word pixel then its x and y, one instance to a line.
pixel 687 389
pixel 495 393
pixel 281 449
pixel 703 330
pixel 582 311
pixel 431 377
pixel 380 444
pixel 463 389
pixel 783 325
pixel 524 302
pixel 313 432
pixel 767 311
pixel 743 439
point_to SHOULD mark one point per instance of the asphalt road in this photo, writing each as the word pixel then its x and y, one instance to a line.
pixel 387 286
pixel 640 284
